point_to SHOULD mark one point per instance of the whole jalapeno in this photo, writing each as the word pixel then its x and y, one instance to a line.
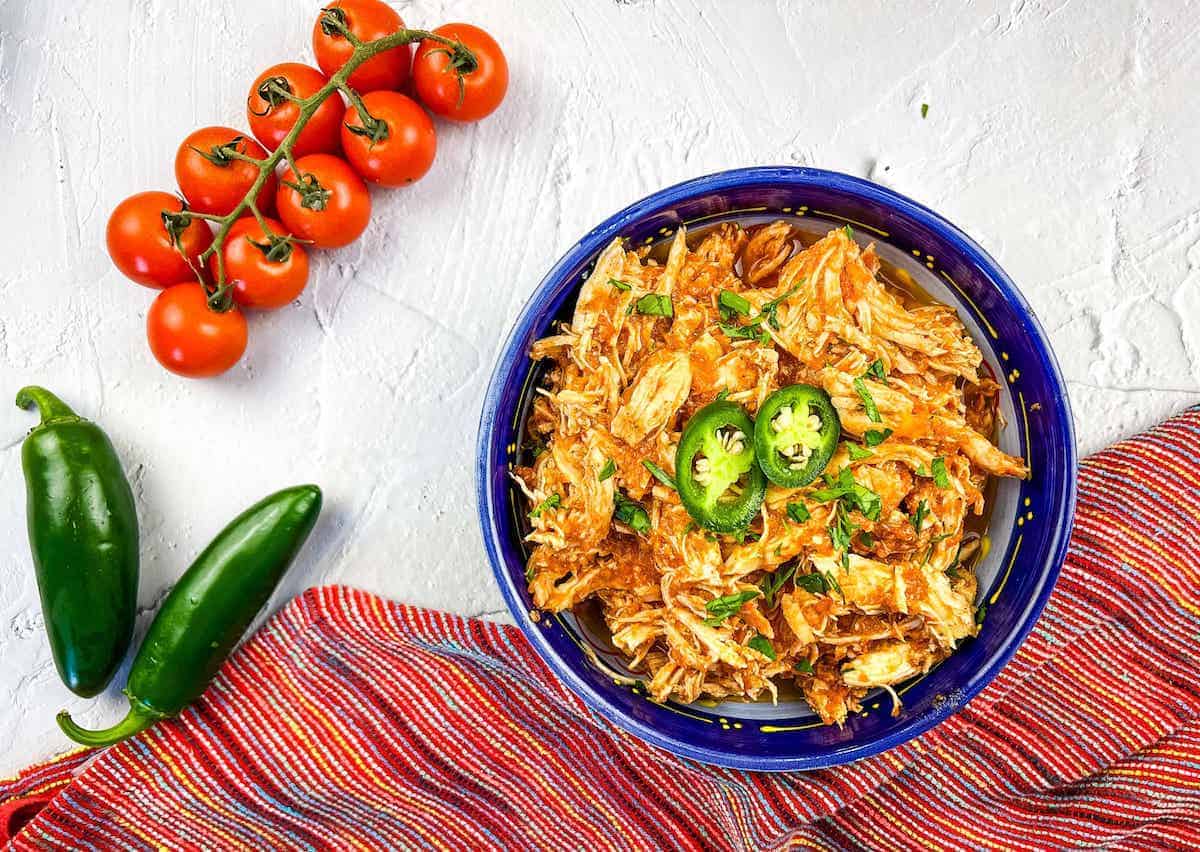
pixel 795 434
pixel 83 533
pixel 718 481
pixel 208 610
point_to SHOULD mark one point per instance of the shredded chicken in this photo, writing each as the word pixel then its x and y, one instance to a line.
pixel 838 621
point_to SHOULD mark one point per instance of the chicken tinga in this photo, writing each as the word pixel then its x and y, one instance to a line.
pixel 760 459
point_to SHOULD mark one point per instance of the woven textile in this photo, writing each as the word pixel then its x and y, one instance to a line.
pixel 352 722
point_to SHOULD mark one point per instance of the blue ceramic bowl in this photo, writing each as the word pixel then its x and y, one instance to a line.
pixel 1029 524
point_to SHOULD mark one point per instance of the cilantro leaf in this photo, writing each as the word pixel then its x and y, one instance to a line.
pixel 940 478
pixel 655 305
pixel 868 401
pixel 798 512
pixel 721 608
pixel 803 666
pixel 732 302
pixel 772 583
pixel 845 489
pixel 623 286
pixel 874 437
pixel 875 371
pixel 742 332
pixel 763 645
pixel 858 453
pixel 919 518
pixel 551 502
pixel 630 513
pixel 610 467
pixel 660 474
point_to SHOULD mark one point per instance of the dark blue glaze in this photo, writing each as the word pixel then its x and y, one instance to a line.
pixel 1050 448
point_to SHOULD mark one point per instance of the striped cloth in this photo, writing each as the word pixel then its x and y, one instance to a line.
pixel 352 722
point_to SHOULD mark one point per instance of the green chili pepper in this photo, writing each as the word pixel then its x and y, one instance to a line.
pixel 209 609
pixel 718 482
pixel 790 450
pixel 84 536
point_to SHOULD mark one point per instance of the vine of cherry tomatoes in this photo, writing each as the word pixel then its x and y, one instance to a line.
pixel 297 187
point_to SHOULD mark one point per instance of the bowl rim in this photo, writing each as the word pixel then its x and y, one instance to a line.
pixel 590 245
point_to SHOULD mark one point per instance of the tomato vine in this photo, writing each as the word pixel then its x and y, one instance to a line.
pixel 219 291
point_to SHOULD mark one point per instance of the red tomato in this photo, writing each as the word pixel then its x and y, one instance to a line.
pixel 191 339
pixel 405 151
pixel 332 207
pixel 214 182
pixel 272 116
pixel 437 74
pixel 368 20
pixel 144 250
pixel 265 274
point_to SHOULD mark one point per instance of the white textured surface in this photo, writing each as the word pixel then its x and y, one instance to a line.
pixel 1061 135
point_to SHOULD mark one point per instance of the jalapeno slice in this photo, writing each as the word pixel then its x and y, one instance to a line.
pixel 715 472
pixel 795 434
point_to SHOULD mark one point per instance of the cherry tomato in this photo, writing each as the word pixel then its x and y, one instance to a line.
pixel 272 115
pixel 448 87
pixel 143 248
pixel 368 20
pixel 396 152
pixel 191 339
pixel 332 206
pixel 265 273
pixel 214 182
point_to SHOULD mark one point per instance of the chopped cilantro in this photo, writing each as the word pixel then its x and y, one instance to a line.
pixel 919 518
pixel 610 467
pixel 924 110
pixel 980 614
pixel 773 582
pixel 623 286
pixel 858 453
pixel 733 303
pixel 875 437
pixel 763 645
pixel 868 401
pixel 803 666
pixel 630 513
pixel 655 305
pixel 771 309
pixel 551 502
pixel 721 608
pixel 858 497
pixel 722 395
pixel 818 583
pixel 744 332
pixel 849 231
pixel 798 512
pixel 940 477
pixel 876 372
pixel 660 474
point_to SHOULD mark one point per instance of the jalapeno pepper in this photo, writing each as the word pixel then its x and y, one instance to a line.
pixel 719 483
pixel 209 609
pixel 795 434
pixel 84 536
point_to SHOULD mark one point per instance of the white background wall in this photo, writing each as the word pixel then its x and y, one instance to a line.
pixel 1062 135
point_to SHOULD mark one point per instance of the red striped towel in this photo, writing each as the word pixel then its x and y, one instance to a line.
pixel 350 721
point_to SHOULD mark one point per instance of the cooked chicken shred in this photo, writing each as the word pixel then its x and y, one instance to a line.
pixel 623 385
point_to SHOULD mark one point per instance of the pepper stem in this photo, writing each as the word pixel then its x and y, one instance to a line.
pixel 49 406
pixel 139 718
